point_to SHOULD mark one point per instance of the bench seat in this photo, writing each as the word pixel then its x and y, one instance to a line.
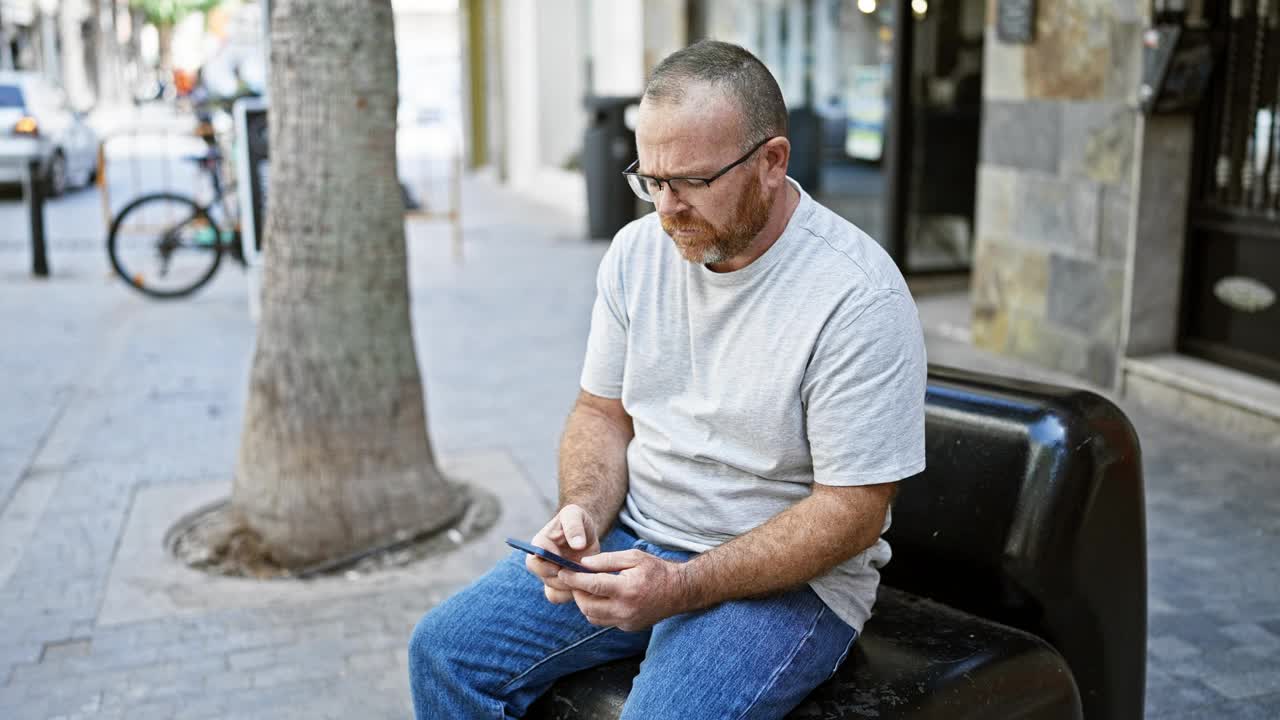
pixel 1029 515
pixel 915 659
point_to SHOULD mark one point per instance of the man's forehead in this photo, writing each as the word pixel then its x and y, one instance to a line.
pixel 700 107
pixel 695 126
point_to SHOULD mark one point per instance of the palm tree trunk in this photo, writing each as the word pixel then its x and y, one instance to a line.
pixel 334 455
pixel 164 41
pixel 75 75
pixel 108 51
pixel 137 21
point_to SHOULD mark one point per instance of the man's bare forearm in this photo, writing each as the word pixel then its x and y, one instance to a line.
pixel 795 546
pixel 593 462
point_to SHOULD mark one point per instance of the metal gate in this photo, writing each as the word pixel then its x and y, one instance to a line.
pixel 1231 313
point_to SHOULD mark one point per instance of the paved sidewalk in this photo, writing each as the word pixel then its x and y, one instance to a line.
pixel 117 413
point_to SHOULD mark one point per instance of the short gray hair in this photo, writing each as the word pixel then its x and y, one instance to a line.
pixel 731 69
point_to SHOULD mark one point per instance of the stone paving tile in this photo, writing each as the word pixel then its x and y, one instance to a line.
pixel 1170 648
pixel 1243 685
pixel 1201 631
pixel 1251 635
pixel 1272 626
pixel 1167 694
pixel 1265 708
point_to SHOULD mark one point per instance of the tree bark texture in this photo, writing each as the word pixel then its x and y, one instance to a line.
pixel 164 33
pixel 75 74
pixel 108 52
pixel 137 21
pixel 334 455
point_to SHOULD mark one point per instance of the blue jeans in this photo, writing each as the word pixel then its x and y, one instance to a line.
pixel 492 649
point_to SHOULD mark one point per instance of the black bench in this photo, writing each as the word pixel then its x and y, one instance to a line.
pixel 1017 587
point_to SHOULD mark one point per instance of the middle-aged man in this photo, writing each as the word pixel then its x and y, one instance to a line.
pixel 753 389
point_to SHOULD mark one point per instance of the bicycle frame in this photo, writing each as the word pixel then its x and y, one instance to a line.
pixel 223 200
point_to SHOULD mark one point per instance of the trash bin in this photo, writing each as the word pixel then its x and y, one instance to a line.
pixel 608 147
pixel 805 134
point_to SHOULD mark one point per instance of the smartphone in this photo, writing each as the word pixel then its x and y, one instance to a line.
pixel 547 555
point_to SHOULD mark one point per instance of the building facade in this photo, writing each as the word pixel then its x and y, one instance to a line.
pixel 1137 248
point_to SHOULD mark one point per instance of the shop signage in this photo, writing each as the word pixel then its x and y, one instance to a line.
pixel 1244 293
pixel 1016 21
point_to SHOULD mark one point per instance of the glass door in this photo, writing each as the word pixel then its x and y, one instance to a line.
pixel 885 102
pixel 942 128
pixel 852 75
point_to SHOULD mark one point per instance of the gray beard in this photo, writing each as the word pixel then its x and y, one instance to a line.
pixel 712 256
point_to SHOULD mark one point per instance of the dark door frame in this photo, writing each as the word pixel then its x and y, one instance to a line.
pixel 898 156
pixel 1215 213
pixel 900 150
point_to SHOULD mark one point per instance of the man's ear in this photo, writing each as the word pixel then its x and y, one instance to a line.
pixel 777 154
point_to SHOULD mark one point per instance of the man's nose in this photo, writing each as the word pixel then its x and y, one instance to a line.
pixel 668 202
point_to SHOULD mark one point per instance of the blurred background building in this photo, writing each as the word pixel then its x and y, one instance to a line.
pixel 1002 145
pixel 1129 237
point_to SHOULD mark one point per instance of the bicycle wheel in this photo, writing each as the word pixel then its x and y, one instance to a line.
pixel 165 245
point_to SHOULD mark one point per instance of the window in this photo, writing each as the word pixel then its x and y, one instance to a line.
pixel 11 96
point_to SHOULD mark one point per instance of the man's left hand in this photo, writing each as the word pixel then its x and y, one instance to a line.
pixel 645 590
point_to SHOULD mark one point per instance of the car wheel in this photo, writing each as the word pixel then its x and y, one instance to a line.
pixel 56 176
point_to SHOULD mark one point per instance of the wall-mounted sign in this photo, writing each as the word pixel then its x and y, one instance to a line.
pixel 1244 293
pixel 867 108
pixel 1176 67
pixel 1016 21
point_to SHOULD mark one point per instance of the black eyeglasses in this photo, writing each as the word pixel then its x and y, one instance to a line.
pixel 647 186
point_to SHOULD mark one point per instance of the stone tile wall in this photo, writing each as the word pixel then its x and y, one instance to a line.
pixel 1055 196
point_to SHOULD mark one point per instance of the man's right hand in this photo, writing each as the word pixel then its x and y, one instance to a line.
pixel 572 534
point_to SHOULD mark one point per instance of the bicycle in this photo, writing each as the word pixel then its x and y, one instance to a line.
pixel 180 253
pixel 194 242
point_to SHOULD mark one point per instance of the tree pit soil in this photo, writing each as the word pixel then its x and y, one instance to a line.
pixel 212 540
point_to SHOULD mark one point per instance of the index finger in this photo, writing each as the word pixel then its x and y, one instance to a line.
pixel 615 561
pixel 574 526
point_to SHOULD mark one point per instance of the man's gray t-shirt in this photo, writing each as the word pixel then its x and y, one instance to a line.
pixel 808 365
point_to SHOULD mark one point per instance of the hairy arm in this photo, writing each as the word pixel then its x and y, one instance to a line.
pixel 798 544
pixel 593 484
pixel 593 458
pixel 791 548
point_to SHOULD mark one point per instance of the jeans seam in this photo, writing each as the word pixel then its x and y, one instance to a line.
pixel 773 679
pixel 844 654
pixel 561 651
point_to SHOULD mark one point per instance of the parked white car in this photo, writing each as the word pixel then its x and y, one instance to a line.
pixel 36 121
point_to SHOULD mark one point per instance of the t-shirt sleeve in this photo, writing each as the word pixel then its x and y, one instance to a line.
pixel 864 393
pixel 602 369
